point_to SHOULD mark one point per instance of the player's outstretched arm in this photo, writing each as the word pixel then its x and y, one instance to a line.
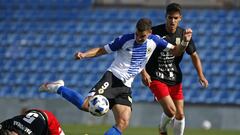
pixel 179 49
pixel 90 53
pixel 198 66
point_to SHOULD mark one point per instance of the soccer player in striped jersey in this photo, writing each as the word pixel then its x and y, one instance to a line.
pixel 164 76
pixel 133 51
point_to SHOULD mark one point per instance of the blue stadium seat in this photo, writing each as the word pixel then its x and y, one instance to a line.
pixel 236 98
pixel 6 91
pixel 219 83
pixel 234 83
pixel 223 97
pixel 204 96
pixel 193 96
pixel 232 70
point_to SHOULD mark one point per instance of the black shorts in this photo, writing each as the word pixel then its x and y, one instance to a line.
pixel 113 89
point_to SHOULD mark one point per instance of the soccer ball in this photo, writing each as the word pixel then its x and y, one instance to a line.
pixel 98 105
pixel 206 124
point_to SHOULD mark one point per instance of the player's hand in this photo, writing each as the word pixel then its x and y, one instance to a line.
pixel 204 82
pixel 146 79
pixel 79 55
pixel 187 35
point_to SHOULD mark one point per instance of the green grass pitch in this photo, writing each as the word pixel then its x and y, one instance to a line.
pixel 75 129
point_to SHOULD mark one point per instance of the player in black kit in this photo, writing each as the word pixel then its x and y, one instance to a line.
pixel 33 122
pixel 163 74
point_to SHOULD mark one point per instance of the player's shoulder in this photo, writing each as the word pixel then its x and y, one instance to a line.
pixel 124 38
pixel 154 36
pixel 127 36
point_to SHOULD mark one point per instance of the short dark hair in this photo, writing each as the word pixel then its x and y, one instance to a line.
pixel 174 7
pixel 144 24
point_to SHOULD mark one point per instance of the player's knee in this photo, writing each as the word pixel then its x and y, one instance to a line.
pixel 179 116
pixel 85 106
pixel 170 111
pixel 123 124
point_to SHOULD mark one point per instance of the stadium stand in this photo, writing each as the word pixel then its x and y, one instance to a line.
pixel 38 41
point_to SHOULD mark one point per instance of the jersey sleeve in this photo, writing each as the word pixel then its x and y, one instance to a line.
pixel 191 47
pixel 113 45
pixel 117 43
pixel 161 43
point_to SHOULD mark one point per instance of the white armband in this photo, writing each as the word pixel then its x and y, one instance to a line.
pixel 107 48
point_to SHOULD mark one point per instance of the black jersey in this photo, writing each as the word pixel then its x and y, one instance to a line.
pixel 32 123
pixel 164 66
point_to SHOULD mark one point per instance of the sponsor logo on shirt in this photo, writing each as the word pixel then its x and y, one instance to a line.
pixel 22 127
pixel 149 50
pixel 178 41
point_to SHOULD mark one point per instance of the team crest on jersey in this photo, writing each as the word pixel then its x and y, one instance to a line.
pixel 178 41
pixel 149 50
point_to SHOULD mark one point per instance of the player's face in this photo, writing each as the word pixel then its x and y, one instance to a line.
pixel 173 19
pixel 141 37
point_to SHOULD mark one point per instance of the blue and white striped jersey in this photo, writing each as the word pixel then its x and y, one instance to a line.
pixel 132 57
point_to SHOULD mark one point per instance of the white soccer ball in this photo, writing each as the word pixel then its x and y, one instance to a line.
pixel 206 124
pixel 98 105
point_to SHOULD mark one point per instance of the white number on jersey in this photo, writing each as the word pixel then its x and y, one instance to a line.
pixel 104 86
pixel 30 117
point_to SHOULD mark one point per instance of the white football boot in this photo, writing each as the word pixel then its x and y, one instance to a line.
pixel 51 87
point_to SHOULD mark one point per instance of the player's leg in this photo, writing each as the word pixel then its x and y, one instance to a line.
pixel 178 98
pixel 122 114
pixel 168 106
pixel 179 121
pixel 168 113
pixel 70 95
pixel 73 96
pixel 120 103
pixel 161 93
